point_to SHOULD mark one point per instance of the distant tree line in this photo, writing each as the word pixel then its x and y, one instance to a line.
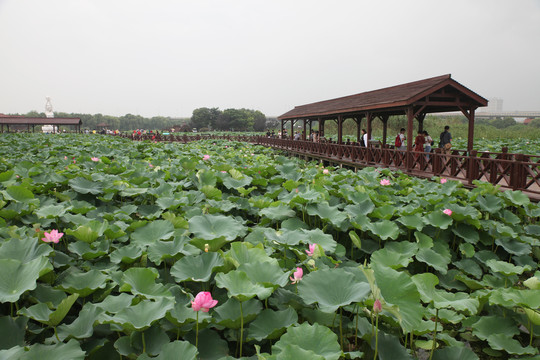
pixel 126 122
pixel 228 120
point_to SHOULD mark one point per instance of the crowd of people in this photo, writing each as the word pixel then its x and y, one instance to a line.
pixel 423 142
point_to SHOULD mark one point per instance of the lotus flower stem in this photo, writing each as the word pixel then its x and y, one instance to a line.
pixel 197 331
pixel 56 334
pixel 376 335
pixel 434 334
pixel 241 328
pixel 531 332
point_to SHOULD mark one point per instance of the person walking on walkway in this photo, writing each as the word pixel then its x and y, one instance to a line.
pixel 446 140
pixel 400 140
pixel 429 144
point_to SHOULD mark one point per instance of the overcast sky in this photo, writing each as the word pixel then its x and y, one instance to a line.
pixel 169 57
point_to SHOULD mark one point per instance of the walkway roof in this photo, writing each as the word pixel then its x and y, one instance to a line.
pixel 22 120
pixel 437 94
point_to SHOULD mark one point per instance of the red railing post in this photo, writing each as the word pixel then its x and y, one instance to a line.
pixel 472 171
pixel 518 174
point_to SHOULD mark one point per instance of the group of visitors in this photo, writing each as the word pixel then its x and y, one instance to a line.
pixel 424 142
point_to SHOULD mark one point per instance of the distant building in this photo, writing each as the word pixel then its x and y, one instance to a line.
pixel 495 105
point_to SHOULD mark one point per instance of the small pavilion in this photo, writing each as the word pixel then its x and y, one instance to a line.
pixel 31 122
pixel 415 100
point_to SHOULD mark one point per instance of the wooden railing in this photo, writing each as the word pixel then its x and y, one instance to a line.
pixel 509 171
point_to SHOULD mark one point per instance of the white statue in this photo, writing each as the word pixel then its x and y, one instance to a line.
pixel 48 108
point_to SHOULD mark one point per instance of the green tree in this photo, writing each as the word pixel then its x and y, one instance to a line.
pixel 205 117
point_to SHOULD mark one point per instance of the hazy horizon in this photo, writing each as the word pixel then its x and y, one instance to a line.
pixel 171 57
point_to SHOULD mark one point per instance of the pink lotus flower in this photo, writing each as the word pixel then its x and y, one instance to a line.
pixel 311 249
pixel 74 161
pixel 206 157
pixel 443 181
pixel 95 159
pixel 203 301
pixel 377 307
pixel 297 275
pixel 223 171
pixel 54 236
pixel 447 212
pixel 65 157
pixel 385 182
pixel 325 171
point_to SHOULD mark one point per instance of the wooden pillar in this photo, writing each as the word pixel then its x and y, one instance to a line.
pixel 292 129
pixel 282 128
pixel 304 130
pixel 408 155
pixel 321 127
pixel 369 117
pixel 420 118
pixel 358 121
pixel 470 139
pixel 384 120
pixel 340 129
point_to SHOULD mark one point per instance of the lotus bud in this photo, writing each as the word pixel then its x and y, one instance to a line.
pixel 206 247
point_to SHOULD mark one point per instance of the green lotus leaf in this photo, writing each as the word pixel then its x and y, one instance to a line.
pixel 150 212
pixel 454 353
pixel 173 349
pixel 287 237
pixel 267 273
pixel 215 347
pixel 466 232
pixel 293 352
pixel 438 256
pixel 514 297
pixel 516 198
pixel 12 331
pixel 390 347
pixel 326 241
pixel 470 267
pixel 209 227
pixel 533 315
pixel 506 268
pixel 393 259
pixel 239 286
pixel 161 250
pixel 532 283
pixel 328 213
pixel 18 193
pixel 277 211
pixel 61 351
pixel 242 253
pixel 17 277
pixel 385 229
pixel 126 254
pixel 80 206
pixel 415 221
pixel 84 283
pixel 142 281
pixel 152 232
pixel 87 252
pixel 51 211
pixel 271 324
pixel 424 241
pixel 438 219
pixel 467 249
pixel 332 288
pixel 7 176
pixel 141 316
pixel 114 303
pixel 41 312
pixel 510 345
pixel 232 183
pixel 197 268
pixel 311 338
pixel 514 247
pixel 397 288
pixel 90 231
pixel 24 250
pixel 384 212
pixel 84 186
pixel 228 314
pixel 83 326
pixel 205 178
pixel 212 245
pixel 459 301
pixel 181 314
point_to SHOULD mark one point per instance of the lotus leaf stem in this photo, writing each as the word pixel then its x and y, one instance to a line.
pixel 341 327
pixel 376 335
pixel 242 327
pixel 143 344
pixel 434 334
pixel 356 329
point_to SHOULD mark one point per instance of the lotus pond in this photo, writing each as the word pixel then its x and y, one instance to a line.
pixel 304 262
